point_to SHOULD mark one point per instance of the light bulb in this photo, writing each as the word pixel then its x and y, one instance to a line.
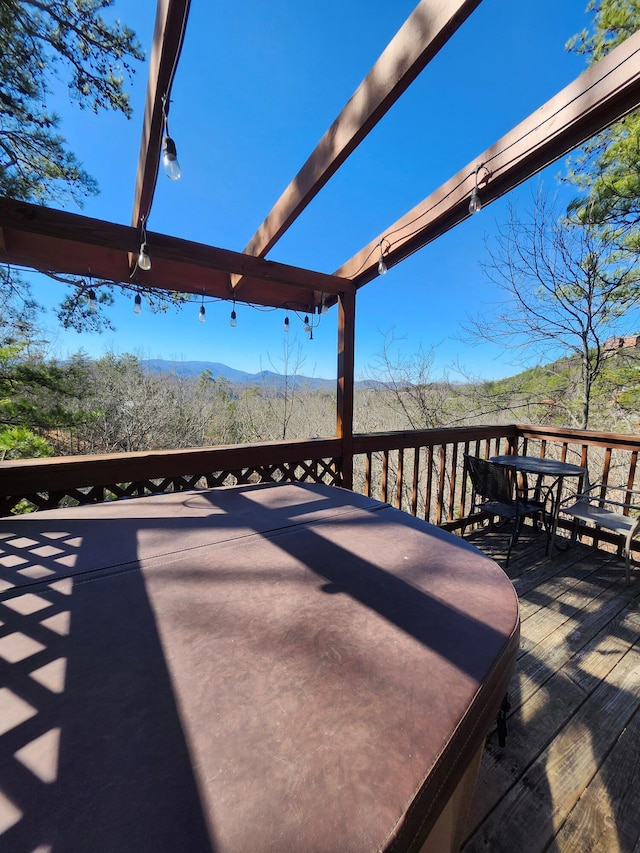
pixel 137 304
pixel 475 204
pixel 286 324
pixel 307 327
pixel 144 261
pixel 201 315
pixel 382 267
pixel 169 159
pixel 91 297
pixel 233 322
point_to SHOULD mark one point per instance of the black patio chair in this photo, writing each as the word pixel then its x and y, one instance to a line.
pixel 495 493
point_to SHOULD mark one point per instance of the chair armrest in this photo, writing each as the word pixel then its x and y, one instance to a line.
pixel 585 495
pixel 619 489
pixel 588 496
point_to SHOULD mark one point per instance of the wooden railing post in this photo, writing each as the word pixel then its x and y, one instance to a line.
pixel 346 368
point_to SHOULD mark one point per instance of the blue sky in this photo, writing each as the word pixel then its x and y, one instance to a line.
pixel 258 83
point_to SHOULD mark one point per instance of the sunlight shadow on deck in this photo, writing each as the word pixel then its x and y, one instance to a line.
pixel 569 776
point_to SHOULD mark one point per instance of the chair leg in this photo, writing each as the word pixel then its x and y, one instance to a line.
pixel 517 528
pixel 549 522
pixel 574 531
pixel 512 541
pixel 506 562
pixel 547 530
pixel 627 558
pixel 627 555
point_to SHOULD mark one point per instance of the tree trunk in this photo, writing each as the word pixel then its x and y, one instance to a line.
pixel 586 388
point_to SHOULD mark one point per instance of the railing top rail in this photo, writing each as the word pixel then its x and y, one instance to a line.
pixel 55 461
pixel 577 436
pixel 61 472
pixel 365 442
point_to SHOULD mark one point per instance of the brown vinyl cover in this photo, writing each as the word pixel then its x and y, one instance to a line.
pixel 263 668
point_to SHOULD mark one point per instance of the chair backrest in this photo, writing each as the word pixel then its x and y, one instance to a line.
pixel 489 480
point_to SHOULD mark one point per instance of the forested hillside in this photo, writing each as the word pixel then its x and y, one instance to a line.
pixel 115 405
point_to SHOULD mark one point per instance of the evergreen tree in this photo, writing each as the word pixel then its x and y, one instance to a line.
pixel 41 44
pixel 40 41
pixel 607 169
pixel 35 398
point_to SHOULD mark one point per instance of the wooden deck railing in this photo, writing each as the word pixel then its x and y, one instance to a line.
pixel 420 472
pixel 35 484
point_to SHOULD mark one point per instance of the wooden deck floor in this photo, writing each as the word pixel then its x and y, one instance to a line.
pixel 568 778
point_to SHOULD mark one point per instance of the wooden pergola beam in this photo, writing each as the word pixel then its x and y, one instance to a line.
pixel 346 383
pixel 57 241
pixel 167 41
pixel 602 94
pixel 419 39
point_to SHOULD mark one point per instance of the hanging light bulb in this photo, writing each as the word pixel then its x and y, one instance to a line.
pixel 382 267
pixel 307 327
pixel 285 327
pixel 144 261
pixel 475 204
pixel 233 322
pixel 169 159
pixel 91 298
pixel 202 315
pixel 137 304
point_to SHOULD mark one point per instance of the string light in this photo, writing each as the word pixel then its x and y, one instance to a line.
pixel 169 155
pixel 91 298
pixel 308 328
pixel 137 304
pixel 170 160
pixel 285 327
pixel 382 267
pixel 144 261
pixel 233 321
pixel 475 204
pixel 201 312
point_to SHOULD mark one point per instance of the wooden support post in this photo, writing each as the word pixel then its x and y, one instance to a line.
pixel 346 363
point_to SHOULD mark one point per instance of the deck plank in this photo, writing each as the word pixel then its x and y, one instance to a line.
pixel 607 817
pixel 531 813
pixel 566 614
pixel 569 776
pixel 533 725
pixel 538 663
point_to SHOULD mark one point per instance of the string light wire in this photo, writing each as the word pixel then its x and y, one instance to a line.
pixel 486 164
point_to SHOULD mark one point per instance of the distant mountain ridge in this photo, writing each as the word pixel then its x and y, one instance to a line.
pixel 267 378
